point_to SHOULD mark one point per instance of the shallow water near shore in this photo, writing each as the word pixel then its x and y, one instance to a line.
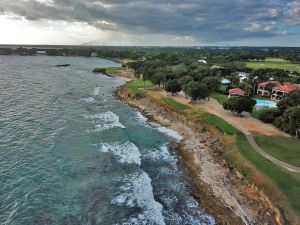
pixel 71 153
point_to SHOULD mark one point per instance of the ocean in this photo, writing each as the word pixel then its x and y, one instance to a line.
pixel 71 153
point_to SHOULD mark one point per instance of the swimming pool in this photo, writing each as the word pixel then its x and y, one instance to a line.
pixel 265 103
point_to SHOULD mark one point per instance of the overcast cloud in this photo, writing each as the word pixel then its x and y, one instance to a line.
pixel 173 21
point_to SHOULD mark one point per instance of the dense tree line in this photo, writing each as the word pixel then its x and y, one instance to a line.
pixel 287 115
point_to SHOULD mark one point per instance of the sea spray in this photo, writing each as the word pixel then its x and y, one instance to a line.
pixel 126 152
pixel 137 192
pixel 104 121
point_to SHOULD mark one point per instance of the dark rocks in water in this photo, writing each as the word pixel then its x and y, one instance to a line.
pixel 99 70
pixel 63 65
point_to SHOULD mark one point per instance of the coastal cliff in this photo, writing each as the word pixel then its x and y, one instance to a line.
pixel 220 189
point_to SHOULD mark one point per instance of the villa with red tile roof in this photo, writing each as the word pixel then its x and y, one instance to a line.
pixel 279 91
pixel 236 92
pixel 262 88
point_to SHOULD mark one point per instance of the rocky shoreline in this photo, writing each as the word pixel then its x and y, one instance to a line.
pixel 219 188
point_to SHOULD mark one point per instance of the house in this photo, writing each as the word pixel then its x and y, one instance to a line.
pixel 225 81
pixel 263 88
pixel 279 91
pixel 234 92
pixel 243 76
pixel 94 54
pixel 40 52
pixel 202 61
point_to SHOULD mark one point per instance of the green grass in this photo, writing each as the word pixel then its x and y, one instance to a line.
pixel 220 97
pixel 223 87
pixel 172 102
pixel 248 161
pixel 255 113
pixel 113 70
pixel 287 182
pixel 283 148
pixel 221 124
pixel 274 63
pixel 135 85
pixel 261 97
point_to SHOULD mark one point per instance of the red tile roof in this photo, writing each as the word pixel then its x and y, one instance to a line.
pixel 287 87
pixel 236 91
pixel 276 83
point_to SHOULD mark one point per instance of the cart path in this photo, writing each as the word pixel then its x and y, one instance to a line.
pixel 245 124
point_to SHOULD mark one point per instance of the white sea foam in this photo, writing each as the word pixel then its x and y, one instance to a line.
pixel 126 152
pixel 89 100
pixel 141 119
pixel 96 91
pixel 170 133
pixel 105 121
pixel 161 153
pixel 137 192
pixel 144 121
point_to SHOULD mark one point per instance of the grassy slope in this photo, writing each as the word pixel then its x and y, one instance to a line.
pixel 283 148
pixel 274 63
pixel 220 97
pixel 282 186
pixel 136 85
pixel 113 70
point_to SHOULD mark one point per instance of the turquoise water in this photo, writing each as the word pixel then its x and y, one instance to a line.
pixel 72 154
pixel 260 104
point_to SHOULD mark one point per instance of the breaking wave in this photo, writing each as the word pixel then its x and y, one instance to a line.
pixel 137 192
pixel 126 152
pixel 105 121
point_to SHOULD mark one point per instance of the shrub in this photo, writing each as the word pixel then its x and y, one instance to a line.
pixel 268 115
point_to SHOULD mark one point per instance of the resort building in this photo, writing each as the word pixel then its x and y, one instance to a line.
pixel 94 54
pixel 40 52
pixel 202 61
pixel 234 92
pixel 279 91
pixel 243 76
pixel 265 88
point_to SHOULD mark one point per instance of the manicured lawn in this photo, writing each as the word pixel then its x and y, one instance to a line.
pixel 172 102
pixel 274 63
pixel 261 98
pixel 287 182
pixel 221 124
pixel 255 113
pixel 220 97
pixel 113 70
pixel 135 85
pixel 223 87
pixel 252 165
pixel 283 148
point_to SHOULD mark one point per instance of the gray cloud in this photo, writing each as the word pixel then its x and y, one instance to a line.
pixel 203 20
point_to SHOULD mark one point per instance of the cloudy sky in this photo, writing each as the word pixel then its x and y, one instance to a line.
pixel 151 22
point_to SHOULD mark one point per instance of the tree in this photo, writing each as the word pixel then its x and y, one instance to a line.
pixel 185 79
pixel 239 104
pixel 292 99
pixel 212 83
pixel 172 86
pixel 196 90
pixel 157 78
pixel 290 121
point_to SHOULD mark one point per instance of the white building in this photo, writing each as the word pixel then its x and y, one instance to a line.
pixel 40 52
pixel 94 54
pixel 202 61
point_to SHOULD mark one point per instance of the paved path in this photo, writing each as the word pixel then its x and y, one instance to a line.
pixel 245 124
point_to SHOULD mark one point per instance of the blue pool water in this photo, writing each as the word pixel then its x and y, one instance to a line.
pixel 260 104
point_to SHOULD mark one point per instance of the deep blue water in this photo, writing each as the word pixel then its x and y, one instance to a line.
pixel 72 154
